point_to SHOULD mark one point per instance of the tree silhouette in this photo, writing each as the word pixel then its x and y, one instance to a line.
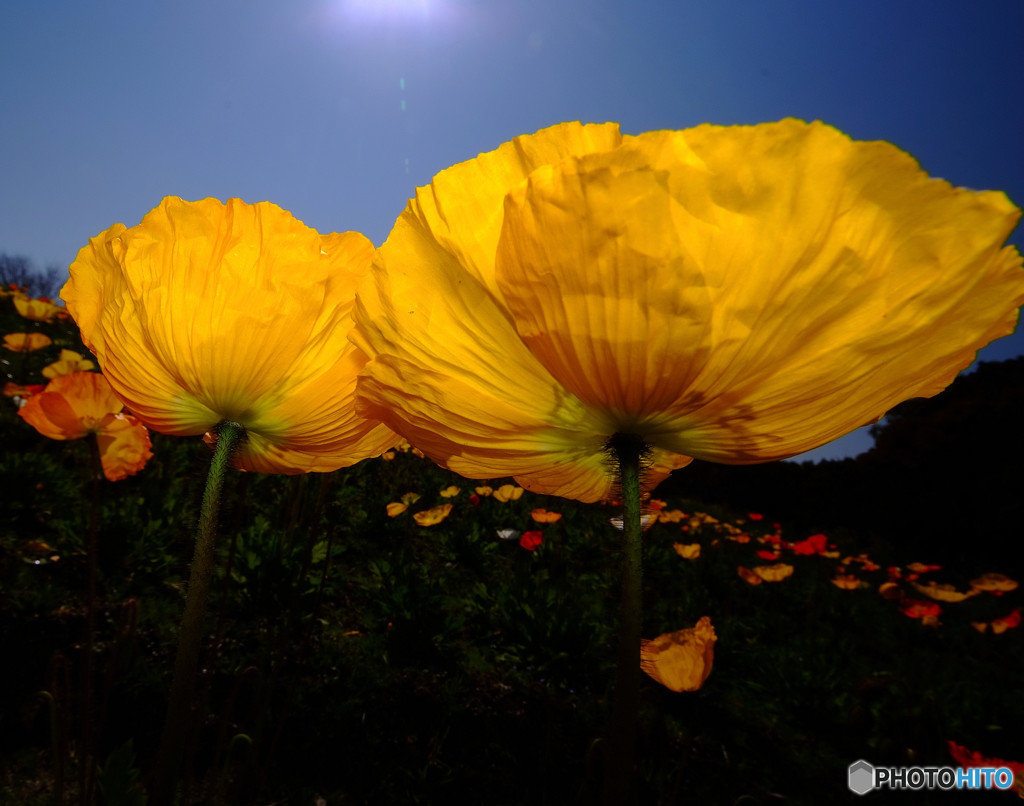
pixel 20 270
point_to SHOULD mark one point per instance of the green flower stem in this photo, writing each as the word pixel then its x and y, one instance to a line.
pixel 191 634
pixel 619 786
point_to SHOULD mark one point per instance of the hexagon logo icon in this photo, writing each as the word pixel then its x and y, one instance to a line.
pixel 861 777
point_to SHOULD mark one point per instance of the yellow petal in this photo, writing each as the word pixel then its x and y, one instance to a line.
pixel 433 516
pixel 124 447
pixel 681 660
pixel 508 492
pixel 688 551
pixel 739 294
pixel 846 581
pixel 396 508
pixel 774 573
pixel 26 342
pixel 68 363
pixel 207 312
pixel 701 285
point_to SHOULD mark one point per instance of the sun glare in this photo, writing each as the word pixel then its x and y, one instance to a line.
pixel 390 10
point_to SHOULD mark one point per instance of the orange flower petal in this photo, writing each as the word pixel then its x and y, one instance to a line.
pixel 681 660
pixel 433 516
pixel 688 551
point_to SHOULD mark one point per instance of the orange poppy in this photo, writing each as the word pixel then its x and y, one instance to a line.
pixel 681 660
pixel 74 406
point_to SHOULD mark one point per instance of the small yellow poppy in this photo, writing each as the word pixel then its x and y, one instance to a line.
pixel 68 363
pixel 433 516
pixel 26 342
pixel 681 660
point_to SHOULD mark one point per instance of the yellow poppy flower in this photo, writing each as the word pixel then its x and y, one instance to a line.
pixel 507 492
pixel 38 310
pixel 681 660
pixel 688 551
pixel 74 406
pixel 26 342
pixel 485 490
pixel 774 573
pixel 450 491
pixel 433 516
pixel 735 294
pixel 69 363
pixel 396 508
pixel 847 582
pixel 209 312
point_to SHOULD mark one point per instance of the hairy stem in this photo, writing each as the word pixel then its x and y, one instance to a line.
pixel 190 636
pixel 619 787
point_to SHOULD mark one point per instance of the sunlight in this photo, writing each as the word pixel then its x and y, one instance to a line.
pixel 390 10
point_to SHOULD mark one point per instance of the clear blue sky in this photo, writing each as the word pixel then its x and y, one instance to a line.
pixel 337 109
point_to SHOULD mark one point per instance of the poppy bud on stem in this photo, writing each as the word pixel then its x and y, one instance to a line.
pixel 190 635
pixel 628 451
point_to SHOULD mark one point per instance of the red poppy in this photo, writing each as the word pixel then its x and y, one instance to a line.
pixel 530 540
pixel 915 608
pixel 815 544
pixel 972 758
pixel 1001 625
pixel 755 516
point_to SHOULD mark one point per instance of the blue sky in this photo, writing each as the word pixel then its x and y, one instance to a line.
pixel 337 109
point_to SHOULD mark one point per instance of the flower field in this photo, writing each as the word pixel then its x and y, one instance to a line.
pixel 394 633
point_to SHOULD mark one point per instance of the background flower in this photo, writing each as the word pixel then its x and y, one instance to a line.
pixel 26 342
pixel 68 363
pixel 736 294
pixel 681 660
pixel 209 312
pixel 74 406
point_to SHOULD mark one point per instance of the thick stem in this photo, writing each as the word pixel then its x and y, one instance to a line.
pixel 190 637
pixel 619 787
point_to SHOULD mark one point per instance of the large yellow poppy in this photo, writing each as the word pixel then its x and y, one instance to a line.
pixel 736 294
pixel 209 312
